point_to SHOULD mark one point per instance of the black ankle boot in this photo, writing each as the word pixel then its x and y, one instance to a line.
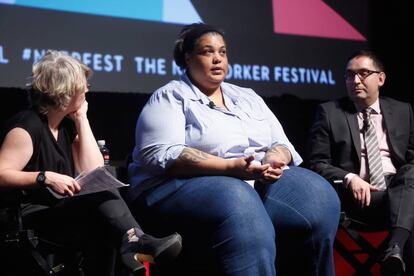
pixel 158 250
pixel 150 249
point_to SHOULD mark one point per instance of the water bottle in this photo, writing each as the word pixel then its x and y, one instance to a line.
pixel 104 150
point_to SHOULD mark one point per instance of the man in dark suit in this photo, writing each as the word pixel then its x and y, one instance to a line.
pixel 340 148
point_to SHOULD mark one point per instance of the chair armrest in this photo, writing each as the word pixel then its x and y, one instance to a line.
pixel 11 198
pixel 337 184
pixel 10 209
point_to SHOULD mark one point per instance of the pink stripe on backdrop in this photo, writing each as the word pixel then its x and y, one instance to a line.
pixel 311 18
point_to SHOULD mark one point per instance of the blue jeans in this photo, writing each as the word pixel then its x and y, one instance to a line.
pixel 228 229
pixel 304 209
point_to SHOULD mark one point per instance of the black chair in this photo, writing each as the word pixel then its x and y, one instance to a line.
pixel 361 236
pixel 23 252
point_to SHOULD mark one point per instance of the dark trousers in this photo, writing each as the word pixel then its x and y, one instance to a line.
pixel 388 209
pixel 93 223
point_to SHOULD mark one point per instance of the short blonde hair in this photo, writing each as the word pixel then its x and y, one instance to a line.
pixel 56 78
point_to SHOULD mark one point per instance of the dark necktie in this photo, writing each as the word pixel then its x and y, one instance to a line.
pixel 376 173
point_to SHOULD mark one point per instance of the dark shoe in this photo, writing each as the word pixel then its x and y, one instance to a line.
pixel 158 250
pixel 150 249
pixel 392 262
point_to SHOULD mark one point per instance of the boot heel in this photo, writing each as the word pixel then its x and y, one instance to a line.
pixel 158 250
pixel 144 258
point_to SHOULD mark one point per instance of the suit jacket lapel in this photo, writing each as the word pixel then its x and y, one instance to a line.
pixel 390 124
pixel 351 117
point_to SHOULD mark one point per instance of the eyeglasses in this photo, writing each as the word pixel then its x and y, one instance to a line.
pixel 362 74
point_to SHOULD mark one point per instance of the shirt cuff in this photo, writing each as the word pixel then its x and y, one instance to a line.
pixel 347 179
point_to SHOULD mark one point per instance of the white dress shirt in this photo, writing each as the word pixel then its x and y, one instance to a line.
pixel 179 115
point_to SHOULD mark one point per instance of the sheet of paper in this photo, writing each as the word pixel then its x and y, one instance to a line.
pixel 97 180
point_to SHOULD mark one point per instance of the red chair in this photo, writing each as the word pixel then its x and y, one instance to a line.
pixel 147 267
pixel 358 248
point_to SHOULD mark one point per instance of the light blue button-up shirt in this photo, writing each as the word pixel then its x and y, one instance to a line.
pixel 179 115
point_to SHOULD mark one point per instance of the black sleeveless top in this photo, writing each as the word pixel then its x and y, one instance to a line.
pixel 48 154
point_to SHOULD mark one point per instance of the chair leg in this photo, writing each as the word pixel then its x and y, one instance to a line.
pixel 23 251
pixel 41 262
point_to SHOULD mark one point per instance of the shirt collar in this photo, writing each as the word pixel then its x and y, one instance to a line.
pixel 375 106
pixel 193 93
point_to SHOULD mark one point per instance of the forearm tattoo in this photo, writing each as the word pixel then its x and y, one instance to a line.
pixel 193 156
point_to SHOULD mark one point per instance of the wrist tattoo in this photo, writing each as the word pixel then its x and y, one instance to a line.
pixel 193 156
pixel 279 151
pixel 272 151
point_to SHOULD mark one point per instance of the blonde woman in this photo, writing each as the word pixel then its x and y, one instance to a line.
pixel 46 146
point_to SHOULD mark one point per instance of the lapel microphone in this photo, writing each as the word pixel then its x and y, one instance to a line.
pixel 211 105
